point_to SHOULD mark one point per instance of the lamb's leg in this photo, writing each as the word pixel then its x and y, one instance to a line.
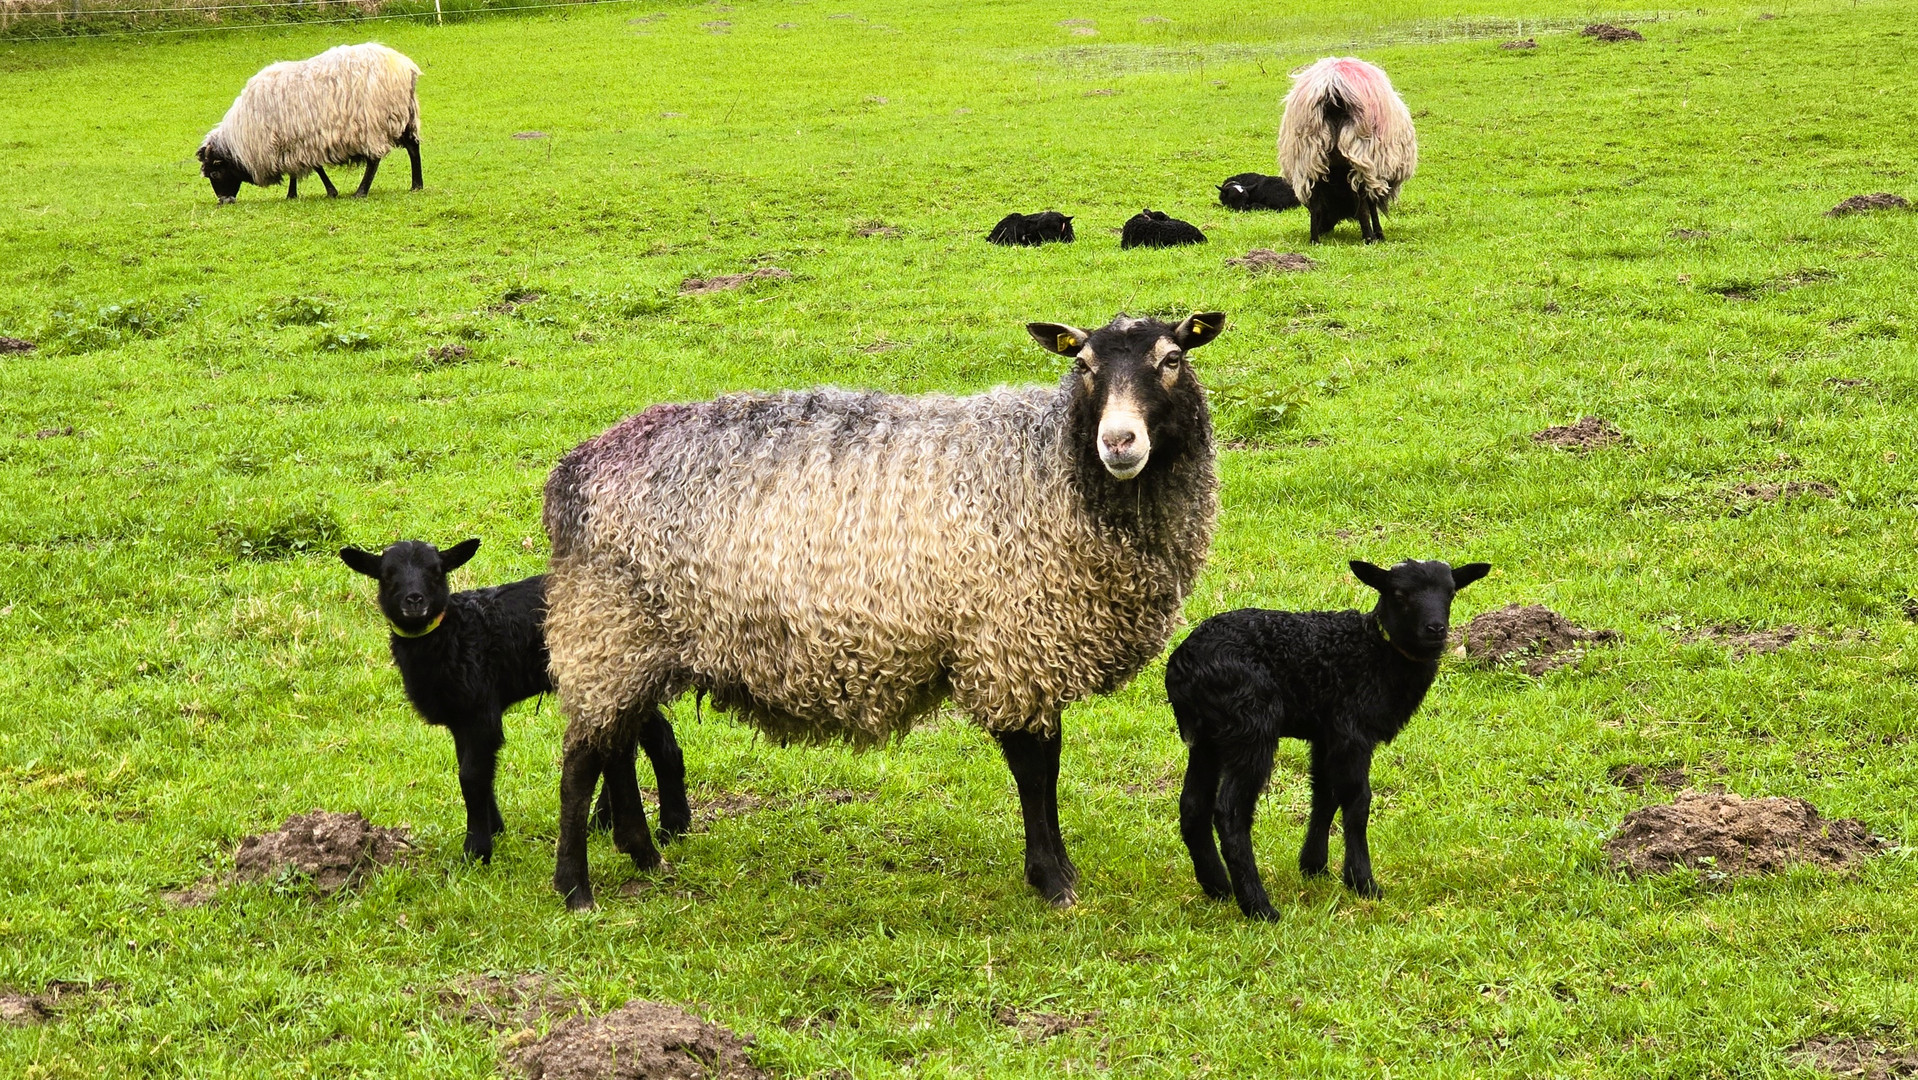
pixel 1034 761
pixel 1352 773
pixel 1318 827
pixel 1239 787
pixel 602 819
pixel 630 833
pixel 366 180
pixel 331 191
pixel 669 774
pixel 1320 224
pixel 478 752
pixel 1378 231
pixel 292 187
pixel 1196 802
pixel 577 774
pixel 411 141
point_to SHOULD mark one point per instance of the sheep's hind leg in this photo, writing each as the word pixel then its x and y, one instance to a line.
pixel 1239 791
pixel 366 179
pixel 292 187
pixel 630 833
pixel 1378 231
pixel 577 774
pixel 1196 802
pixel 669 774
pixel 331 191
pixel 411 141
pixel 1034 761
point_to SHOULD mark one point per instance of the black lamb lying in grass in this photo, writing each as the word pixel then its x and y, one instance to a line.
pixel 1257 191
pixel 466 657
pixel 1151 228
pixel 1031 230
pixel 1344 681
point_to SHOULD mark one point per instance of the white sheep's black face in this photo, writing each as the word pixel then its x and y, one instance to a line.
pixel 1136 387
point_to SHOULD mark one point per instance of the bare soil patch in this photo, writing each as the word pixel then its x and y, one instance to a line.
pixel 531 135
pixel 16 345
pixel 1726 834
pixel 641 1040
pixel 1608 32
pixel 450 353
pixel 1742 642
pixel 1261 260
pixel 511 1004
pixel 1877 200
pixel 199 894
pixel 875 227
pixel 334 850
pixel 1670 776
pixel 1856 1056
pixel 18 1009
pixel 1790 489
pixel 514 300
pixel 1589 433
pixel 693 286
pixel 54 432
pixel 1689 234
pixel 1035 1026
pixel 1540 638
pixel 1522 43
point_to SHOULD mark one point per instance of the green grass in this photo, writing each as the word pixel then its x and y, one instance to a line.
pixel 250 386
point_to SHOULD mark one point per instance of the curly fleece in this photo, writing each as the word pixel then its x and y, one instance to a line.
pixel 350 103
pixel 832 564
pixel 1346 104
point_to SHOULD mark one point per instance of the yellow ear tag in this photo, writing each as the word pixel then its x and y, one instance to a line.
pixel 1067 341
pixel 1200 326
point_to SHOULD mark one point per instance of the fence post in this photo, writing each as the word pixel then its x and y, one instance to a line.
pixel 438 17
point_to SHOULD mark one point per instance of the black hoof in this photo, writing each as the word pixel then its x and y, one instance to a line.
pixel 648 860
pixel 481 851
pixel 1216 892
pixel 578 897
pixel 1262 913
pixel 1365 887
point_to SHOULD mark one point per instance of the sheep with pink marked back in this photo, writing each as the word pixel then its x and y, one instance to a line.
pixel 1346 143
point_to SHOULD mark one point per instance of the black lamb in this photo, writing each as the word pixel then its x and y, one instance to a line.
pixel 1150 228
pixel 1257 191
pixel 1344 681
pixel 1031 230
pixel 466 657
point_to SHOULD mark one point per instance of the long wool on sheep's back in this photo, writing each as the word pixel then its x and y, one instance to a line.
pixel 349 102
pixel 1380 142
pixel 832 564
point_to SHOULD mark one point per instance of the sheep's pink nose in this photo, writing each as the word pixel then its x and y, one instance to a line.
pixel 1118 442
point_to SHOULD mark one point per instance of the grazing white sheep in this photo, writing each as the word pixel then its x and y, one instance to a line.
pixel 350 103
pixel 1346 143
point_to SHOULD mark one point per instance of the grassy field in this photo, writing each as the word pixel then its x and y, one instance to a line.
pixel 223 396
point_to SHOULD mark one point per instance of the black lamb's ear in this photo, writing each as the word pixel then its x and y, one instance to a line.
pixel 1470 572
pixel 1058 337
pixel 364 562
pixel 456 556
pixel 1377 577
pixel 1198 329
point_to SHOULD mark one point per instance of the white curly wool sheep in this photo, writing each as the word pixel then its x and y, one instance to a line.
pixel 1346 143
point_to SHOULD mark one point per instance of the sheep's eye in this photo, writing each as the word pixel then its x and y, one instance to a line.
pixel 1172 360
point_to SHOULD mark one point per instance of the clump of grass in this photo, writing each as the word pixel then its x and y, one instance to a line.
pixel 282 531
pixel 300 311
pixel 80 328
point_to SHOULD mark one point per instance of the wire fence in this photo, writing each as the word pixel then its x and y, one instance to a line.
pixel 30 20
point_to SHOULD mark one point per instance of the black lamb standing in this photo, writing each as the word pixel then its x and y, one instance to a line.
pixel 1344 681
pixel 466 657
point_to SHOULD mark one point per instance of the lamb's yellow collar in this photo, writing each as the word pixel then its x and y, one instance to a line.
pixel 423 631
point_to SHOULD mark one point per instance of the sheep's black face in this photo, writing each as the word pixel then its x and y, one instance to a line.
pixel 1136 403
pixel 1415 601
pixel 223 172
pixel 412 577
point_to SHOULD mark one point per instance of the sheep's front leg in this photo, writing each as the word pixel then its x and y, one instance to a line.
pixel 669 774
pixel 1244 777
pixel 1353 777
pixel 577 775
pixel 366 179
pixel 1196 802
pixel 478 752
pixel 1034 761
pixel 331 191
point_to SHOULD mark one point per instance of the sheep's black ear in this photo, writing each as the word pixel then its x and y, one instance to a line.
pixel 1377 577
pixel 456 556
pixel 363 561
pixel 1198 329
pixel 1470 572
pixel 1058 337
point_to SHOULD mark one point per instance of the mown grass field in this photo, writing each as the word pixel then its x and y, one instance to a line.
pixel 223 396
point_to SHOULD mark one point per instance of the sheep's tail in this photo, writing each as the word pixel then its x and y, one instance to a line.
pixel 1346 105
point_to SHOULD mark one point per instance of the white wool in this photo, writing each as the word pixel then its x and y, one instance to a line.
pixel 1378 141
pixel 349 103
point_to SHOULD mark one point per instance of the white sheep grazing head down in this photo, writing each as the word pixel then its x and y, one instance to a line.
pixel 1133 390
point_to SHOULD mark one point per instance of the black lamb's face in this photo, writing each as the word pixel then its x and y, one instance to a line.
pixel 1135 386
pixel 223 172
pixel 412 576
pixel 1415 601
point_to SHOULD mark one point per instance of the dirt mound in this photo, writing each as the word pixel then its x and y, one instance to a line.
pixel 875 227
pixel 63 432
pixel 1590 433
pixel 693 286
pixel 1671 776
pixel 15 345
pixel 508 1003
pixel 1790 489
pixel 1726 834
pixel 335 850
pixel 25 1010
pixel 638 1041
pixel 1522 43
pixel 1857 1056
pixel 1877 200
pixel 1259 260
pixel 1036 1026
pixel 1741 642
pixel 1689 234
pixel 1542 637
pixel 1608 32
